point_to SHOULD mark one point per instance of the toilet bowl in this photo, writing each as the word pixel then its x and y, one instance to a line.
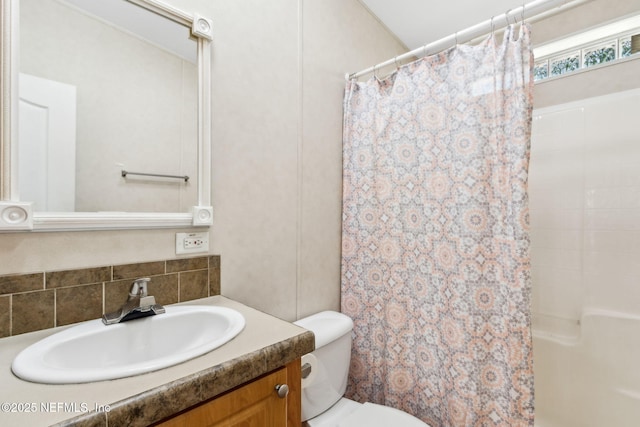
pixel 324 381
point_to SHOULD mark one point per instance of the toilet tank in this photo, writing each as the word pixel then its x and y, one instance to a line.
pixel 329 362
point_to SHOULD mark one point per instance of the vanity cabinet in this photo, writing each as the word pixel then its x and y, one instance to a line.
pixel 257 403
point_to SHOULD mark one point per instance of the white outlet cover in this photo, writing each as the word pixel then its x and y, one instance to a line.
pixel 180 243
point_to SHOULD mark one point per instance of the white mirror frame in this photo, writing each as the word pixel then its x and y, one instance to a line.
pixel 17 215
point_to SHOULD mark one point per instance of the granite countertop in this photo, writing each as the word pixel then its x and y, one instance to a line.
pixel 265 344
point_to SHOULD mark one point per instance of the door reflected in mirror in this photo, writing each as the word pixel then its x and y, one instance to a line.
pixel 100 93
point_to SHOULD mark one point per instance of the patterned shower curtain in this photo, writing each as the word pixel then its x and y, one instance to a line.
pixel 435 249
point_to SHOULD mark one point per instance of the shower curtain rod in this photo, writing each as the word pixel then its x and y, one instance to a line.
pixel 536 9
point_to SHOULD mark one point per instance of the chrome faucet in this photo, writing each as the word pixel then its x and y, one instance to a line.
pixel 139 304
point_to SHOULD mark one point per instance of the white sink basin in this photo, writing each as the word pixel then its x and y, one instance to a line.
pixel 93 351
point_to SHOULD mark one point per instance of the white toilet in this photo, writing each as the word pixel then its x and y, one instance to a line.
pixel 325 383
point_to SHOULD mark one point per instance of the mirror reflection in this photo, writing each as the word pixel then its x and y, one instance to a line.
pixel 99 94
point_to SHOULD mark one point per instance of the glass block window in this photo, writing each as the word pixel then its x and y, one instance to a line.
pixel 600 53
pixel 587 55
pixel 625 47
pixel 540 70
pixel 565 63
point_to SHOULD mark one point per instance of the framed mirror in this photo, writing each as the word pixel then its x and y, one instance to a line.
pixel 105 116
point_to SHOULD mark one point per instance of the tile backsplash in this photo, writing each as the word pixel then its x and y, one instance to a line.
pixel 35 301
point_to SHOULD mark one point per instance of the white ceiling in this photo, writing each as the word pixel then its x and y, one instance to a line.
pixel 419 22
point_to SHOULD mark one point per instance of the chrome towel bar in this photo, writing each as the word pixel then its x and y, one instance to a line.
pixel 125 173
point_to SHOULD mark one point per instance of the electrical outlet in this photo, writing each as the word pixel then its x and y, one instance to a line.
pixel 188 243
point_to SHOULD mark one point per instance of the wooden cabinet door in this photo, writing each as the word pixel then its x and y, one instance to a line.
pixel 256 404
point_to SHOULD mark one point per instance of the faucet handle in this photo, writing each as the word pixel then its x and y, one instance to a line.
pixel 139 287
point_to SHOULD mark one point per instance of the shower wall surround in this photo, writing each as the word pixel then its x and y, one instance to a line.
pixel 584 189
pixel 584 186
pixel 42 300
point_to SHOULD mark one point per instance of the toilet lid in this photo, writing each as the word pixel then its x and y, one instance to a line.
pixel 373 415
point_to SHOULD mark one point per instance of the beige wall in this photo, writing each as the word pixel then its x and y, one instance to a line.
pixel 278 77
pixel 277 173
